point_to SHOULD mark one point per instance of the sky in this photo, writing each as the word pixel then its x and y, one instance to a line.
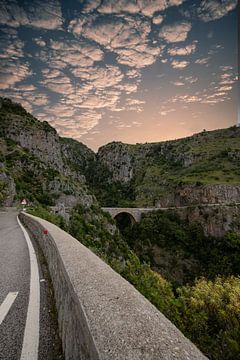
pixel 122 70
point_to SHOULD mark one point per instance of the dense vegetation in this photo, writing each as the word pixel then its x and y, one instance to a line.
pixel 180 251
pixel 206 308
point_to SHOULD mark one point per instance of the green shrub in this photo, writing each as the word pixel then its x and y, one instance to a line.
pixel 210 316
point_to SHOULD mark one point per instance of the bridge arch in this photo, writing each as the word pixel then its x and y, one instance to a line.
pixel 124 219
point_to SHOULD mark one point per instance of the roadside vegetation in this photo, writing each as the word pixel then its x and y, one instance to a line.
pixel 202 300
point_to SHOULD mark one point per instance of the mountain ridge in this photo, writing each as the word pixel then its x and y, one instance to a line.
pixel 169 173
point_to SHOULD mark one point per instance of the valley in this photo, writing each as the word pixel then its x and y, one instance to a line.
pixel 185 259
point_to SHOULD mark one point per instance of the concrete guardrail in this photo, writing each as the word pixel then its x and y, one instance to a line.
pixel 100 314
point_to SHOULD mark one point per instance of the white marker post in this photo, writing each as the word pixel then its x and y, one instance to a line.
pixel 24 203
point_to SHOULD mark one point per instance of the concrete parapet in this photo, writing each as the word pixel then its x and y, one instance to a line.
pixel 101 315
pixel 135 213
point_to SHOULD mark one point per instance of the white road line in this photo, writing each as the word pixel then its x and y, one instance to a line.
pixel 6 305
pixel 31 333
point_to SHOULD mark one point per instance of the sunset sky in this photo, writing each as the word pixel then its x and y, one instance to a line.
pixel 133 71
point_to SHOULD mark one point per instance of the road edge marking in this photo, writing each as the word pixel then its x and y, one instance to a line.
pixel 31 332
pixel 6 305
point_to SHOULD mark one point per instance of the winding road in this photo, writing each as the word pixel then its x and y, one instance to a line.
pixel 28 329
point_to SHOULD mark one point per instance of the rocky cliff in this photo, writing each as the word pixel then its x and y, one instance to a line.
pixel 201 194
pixel 35 162
pixel 119 160
pixel 204 168
pixel 215 220
pixel 38 164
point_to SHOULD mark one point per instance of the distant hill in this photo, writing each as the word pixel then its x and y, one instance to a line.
pixel 203 168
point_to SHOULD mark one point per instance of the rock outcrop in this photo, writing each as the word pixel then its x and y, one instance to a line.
pixel 31 149
pixel 214 220
pixel 204 194
pixel 118 159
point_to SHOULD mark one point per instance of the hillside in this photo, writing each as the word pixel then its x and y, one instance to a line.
pixel 202 168
pixel 37 164
pixel 167 253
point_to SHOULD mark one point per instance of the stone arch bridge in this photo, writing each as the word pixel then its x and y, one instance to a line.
pixel 133 213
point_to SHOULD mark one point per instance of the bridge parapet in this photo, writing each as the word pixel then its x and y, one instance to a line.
pixel 136 213
pixel 101 315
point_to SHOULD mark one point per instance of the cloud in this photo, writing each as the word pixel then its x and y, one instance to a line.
pixel 210 10
pixel 51 73
pixel 117 7
pixel 76 25
pixel 165 112
pixel 139 58
pixel 135 101
pixel 187 50
pixel 127 37
pixel 225 88
pixel 175 33
pixel 185 80
pixel 18 98
pixel 133 74
pixel 13 72
pixel 157 20
pixel 100 77
pixel 128 88
pixel 178 83
pixel 176 64
pixel 134 105
pixel 190 79
pixel 88 120
pixel 217 92
pixel 35 98
pixel 117 32
pixel 62 110
pixel 145 7
pixel 71 52
pixel 27 95
pixel 11 47
pixel 26 87
pixel 40 42
pixel 60 84
pixel 70 122
pixel 90 5
pixel 99 101
pixel 202 61
pixel 39 14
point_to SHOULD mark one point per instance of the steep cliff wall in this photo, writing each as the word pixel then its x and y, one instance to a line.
pixel 119 160
pixel 36 163
pixel 39 138
pixel 204 168
pixel 215 220
pixel 204 194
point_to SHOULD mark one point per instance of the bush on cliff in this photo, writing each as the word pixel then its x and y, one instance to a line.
pixel 209 314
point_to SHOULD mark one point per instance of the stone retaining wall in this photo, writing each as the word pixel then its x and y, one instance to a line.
pixel 101 315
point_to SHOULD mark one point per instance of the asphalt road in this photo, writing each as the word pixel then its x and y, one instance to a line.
pixel 17 315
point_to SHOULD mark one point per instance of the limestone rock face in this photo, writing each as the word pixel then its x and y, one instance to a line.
pixel 215 220
pixel 31 149
pixel 9 189
pixel 196 195
pixel 44 143
pixel 119 161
